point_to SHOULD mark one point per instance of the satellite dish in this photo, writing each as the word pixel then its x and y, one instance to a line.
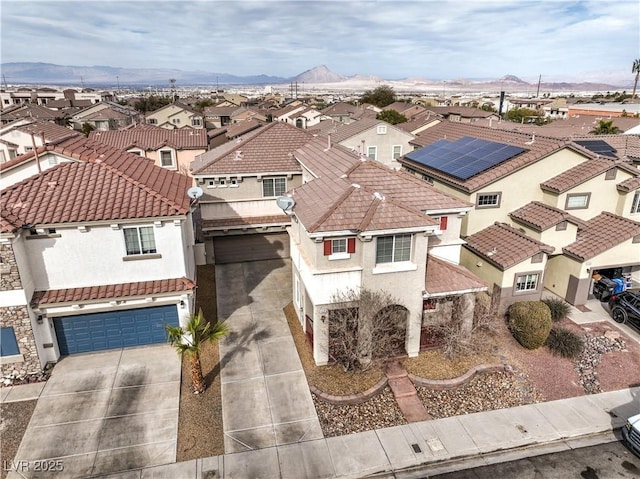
pixel 194 192
pixel 285 203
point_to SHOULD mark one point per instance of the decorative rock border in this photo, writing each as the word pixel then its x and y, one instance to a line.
pixel 351 398
pixel 441 384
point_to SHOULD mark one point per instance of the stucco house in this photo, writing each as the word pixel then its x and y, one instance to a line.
pixel 20 136
pixel 358 224
pixel 171 149
pixel 96 253
pixel 241 179
pixel 549 188
pixel 106 115
pixel 376 139
pixel 176 115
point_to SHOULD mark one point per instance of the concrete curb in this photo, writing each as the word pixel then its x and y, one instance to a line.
pixel 441 384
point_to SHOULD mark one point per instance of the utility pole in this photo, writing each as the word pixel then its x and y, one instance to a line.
pixel 538 91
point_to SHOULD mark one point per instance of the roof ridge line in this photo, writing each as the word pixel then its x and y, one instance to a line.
pixel 332 208
pixel 371 211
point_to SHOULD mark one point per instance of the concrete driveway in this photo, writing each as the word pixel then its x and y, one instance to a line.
pixel 265 397
pixel 105 412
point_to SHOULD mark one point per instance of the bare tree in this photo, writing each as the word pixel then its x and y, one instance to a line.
pixel 471 315
pixel 365 325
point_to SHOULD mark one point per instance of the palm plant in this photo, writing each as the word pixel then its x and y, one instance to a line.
pixel 635 69
pixel 188 341
pixel 605 127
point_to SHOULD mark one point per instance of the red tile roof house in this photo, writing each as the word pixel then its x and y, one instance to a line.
pixel 96 253
pixel 548 187
pixel 357 223
pixel 171 149
pixel 241 180
pixel 19 136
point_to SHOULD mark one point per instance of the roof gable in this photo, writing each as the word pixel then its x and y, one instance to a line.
pixel 541 217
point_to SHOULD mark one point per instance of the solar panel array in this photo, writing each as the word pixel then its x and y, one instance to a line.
pixel 598 146
pixel 465 157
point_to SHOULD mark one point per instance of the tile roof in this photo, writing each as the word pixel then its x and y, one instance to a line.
pixel 600 234
pixel 340 108
pixel 109 291
pixel 105 184
pixel 541 217
pixel 32 111
pixel 580 173
pixel 629 184
pixel 51 131
pixel 444 278
pixel 321 161
pixel 342 132
pixel 249 221
pixel 268 149
pixel 217 111
pixel 462 111
pixel 504 246
pixel 535 151
pixel 329 204
pixel 243 127
pixel 150 137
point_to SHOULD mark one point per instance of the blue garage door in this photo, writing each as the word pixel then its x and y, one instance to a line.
pixel 115 329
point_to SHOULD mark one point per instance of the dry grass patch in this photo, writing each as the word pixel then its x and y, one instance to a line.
pixel 433 364
pixel 200 429
pixel 330 379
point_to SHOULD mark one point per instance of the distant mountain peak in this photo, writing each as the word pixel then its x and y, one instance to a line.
pixel 512 79
pixel 319 74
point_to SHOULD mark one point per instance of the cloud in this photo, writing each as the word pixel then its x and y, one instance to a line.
pixel 389 39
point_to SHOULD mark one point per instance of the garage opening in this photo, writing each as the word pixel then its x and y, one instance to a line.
pixel 253 247
pixel 114 329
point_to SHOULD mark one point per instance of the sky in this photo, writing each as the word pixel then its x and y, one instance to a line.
pixel 562 40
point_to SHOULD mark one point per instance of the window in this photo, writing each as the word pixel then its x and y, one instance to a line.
pixel 140 240
pixel 136 152
pixel 152 121
pixel 274 186
pixel 443 220
pixel 342 247
pixel 233 182
pixel 562 226
pixel 175 121
pixel 611 174
pixel 488 200
pixel 392 249
pixel 397 151
pixel 8 342
pixel 372 152
pixel 577 201
pixel 166 158
pixel 527 282
pixel 211 183
pixel 381 130
pixel 635 205
pixel 196 122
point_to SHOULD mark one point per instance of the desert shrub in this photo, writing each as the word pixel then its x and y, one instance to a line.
pixel 565 343
pixel 530 323
pixel 559 308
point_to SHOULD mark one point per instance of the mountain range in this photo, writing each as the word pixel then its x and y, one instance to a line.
pixel 30 73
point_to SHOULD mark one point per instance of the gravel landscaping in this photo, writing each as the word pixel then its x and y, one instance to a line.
pixel 14 419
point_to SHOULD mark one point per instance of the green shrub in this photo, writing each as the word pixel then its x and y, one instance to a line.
pixel 530 323
pixel 565 343
pixel 559 308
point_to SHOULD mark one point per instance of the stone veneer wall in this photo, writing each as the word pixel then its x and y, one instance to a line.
pixel 17 317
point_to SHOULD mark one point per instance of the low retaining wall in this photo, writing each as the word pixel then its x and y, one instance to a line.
pixel 351 398
pixel 440 384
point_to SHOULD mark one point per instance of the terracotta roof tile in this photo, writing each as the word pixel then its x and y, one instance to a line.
pixel 504 246
pixel 600 234
pixel 541 217
pixel 108 291
pixel 150 137
pixel 251 221
pixel 52 132
pixel 580 173
pixel 242 127
pixel 535 151
pixel 630 184
pixel 320 160
pixel 444 277
pixel 268 149
pixel 106 184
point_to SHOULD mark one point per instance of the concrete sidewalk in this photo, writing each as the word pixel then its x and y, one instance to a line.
pixel 429 447
pixel 265 395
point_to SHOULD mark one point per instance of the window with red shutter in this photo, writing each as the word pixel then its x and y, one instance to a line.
pixel 443 222
pixel 351 245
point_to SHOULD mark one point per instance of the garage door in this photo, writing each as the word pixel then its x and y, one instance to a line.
pixel 116 329
pixel 236 249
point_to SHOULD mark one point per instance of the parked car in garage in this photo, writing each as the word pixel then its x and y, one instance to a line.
pixel 625 307
pixel 631 433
